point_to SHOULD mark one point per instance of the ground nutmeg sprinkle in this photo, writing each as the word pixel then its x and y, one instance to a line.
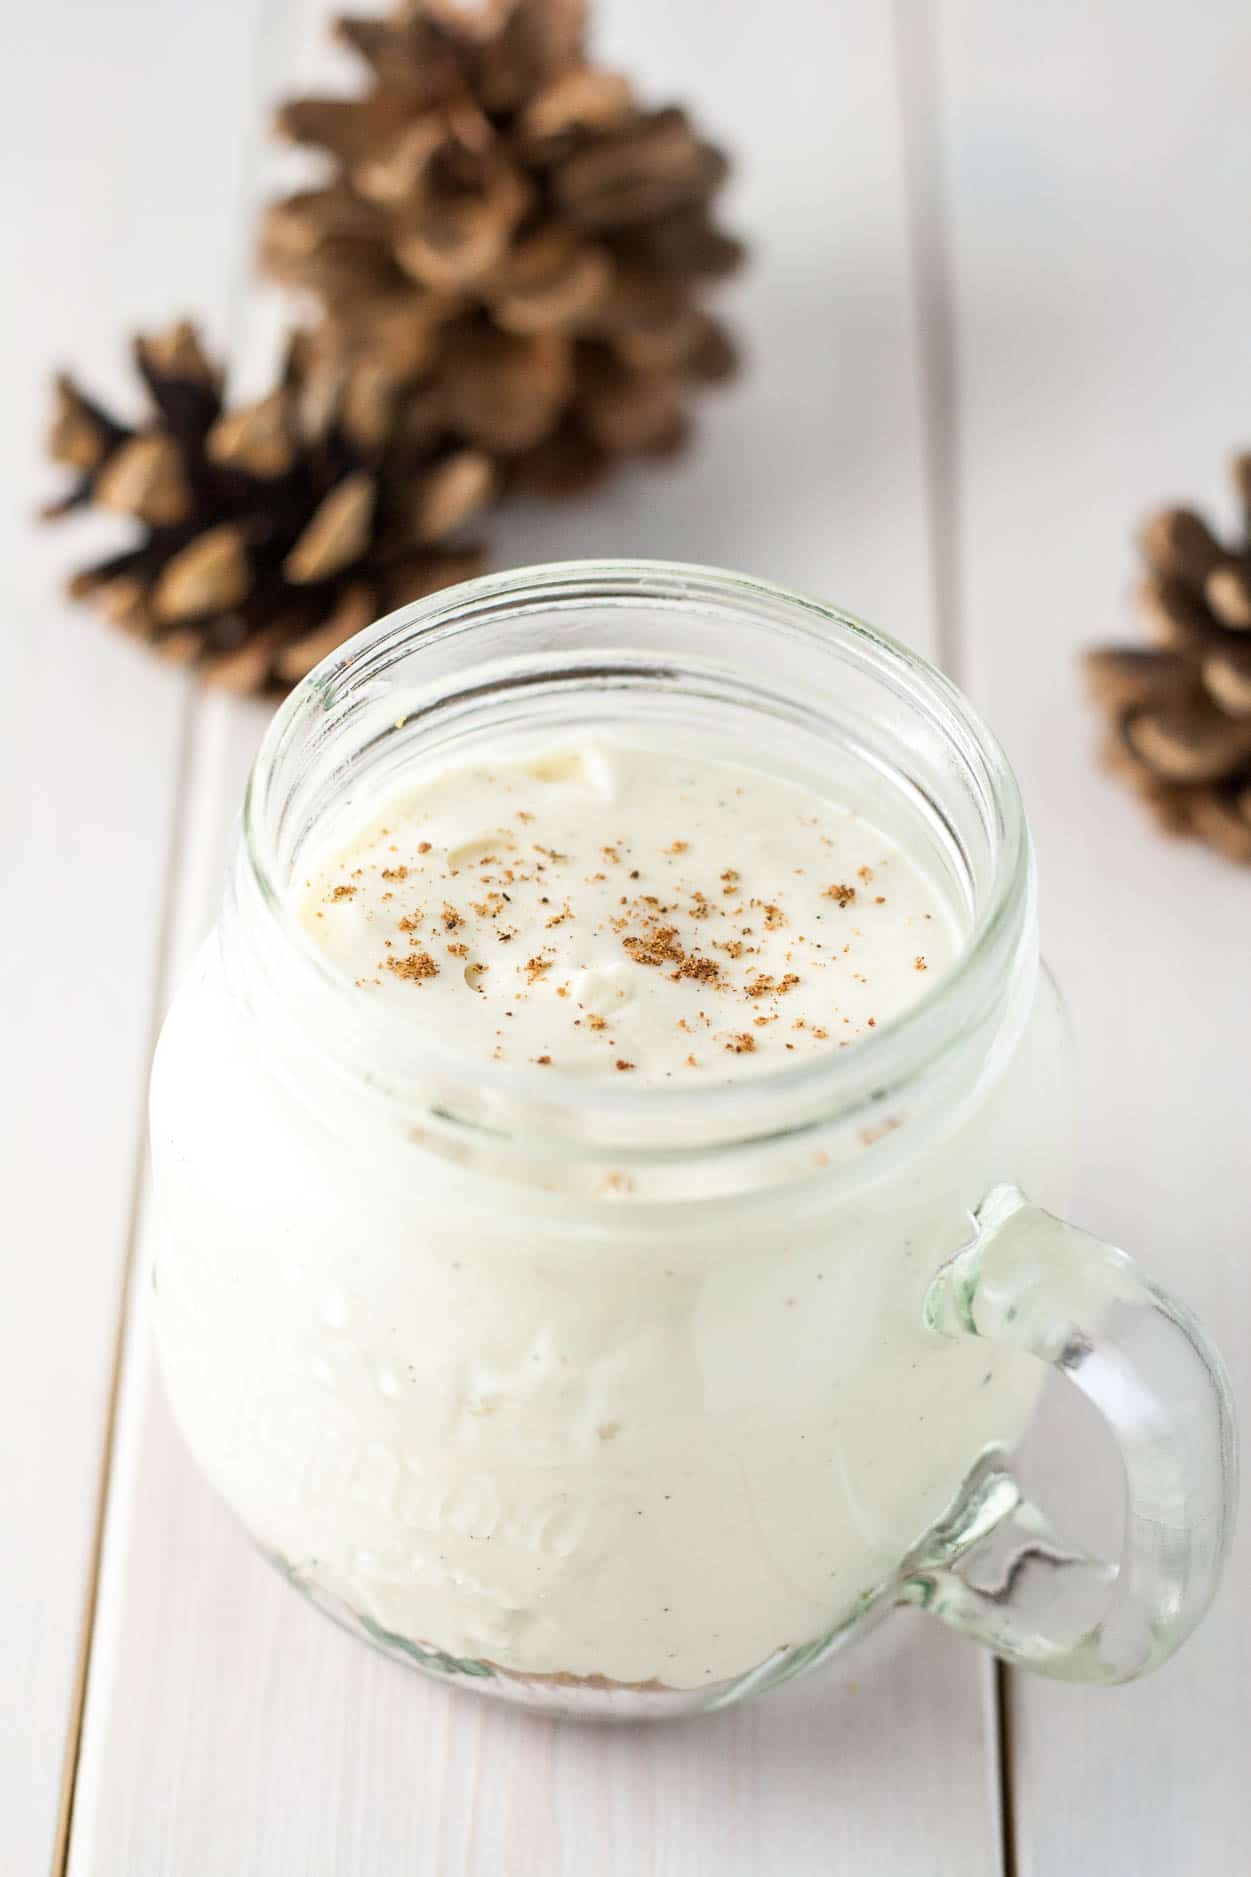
pixel 652 901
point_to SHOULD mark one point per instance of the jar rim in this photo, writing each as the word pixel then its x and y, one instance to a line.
pixel 821 1089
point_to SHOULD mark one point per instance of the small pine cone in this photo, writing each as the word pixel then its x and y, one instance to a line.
pixel 271 532
pixel 1179 711
pixel 501 209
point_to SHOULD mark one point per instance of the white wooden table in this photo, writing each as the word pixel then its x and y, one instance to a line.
pixel 1000 304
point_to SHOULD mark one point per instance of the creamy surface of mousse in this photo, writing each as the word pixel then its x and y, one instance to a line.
pixel 608 910
pixel 617 1438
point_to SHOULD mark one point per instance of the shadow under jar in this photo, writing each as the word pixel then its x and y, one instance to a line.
pixel 619 1400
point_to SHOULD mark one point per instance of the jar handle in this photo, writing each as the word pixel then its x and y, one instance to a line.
pixel 993 1568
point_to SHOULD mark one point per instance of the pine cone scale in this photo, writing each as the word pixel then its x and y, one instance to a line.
pixel 449 495
pixel 256 438
pixel 637 178
pixel 1179 617
pixel 1227 676
pixel 81 434
pixel 578 102
pixel 505 392
pixel 1125 678
pixel 1180 546
pixel 550 283
pixel 337 534
pixel 210 575
pixel 1223 820
pixel 1227 590
pixel 145 478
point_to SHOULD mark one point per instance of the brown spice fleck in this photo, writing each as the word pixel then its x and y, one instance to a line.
pixel 878 1130
pixel 766 986
pixel 423 847
pixel 741 1045
pixel 919 963
pixel 596 1022
pixel 536 967
pixel 459 951
pixel 411 922
pixel 395 873
pixel 865 874
pixel 543 1061
pixel 614 1182
pixel 416 966
pixel 774 917
pixel 730 880
pixel 677 847
pixel 704 970
pixel 342 892
pixel 451 918
pixel 623 1064
pixel 841 895
pixel 660 948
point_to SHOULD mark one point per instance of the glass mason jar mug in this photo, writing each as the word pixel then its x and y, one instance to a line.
pixel 633 1400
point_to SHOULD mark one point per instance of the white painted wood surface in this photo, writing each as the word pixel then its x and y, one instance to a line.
pixel 124 155
pixel 999 281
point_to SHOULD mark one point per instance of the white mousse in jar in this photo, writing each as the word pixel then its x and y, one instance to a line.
pixel 621 1437
pixel 613 910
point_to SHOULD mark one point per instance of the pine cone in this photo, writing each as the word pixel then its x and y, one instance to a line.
pixel 271 532
pixel 509 231
pixel 1180 715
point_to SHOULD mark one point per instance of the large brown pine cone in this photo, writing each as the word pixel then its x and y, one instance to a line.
pixel 506 229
